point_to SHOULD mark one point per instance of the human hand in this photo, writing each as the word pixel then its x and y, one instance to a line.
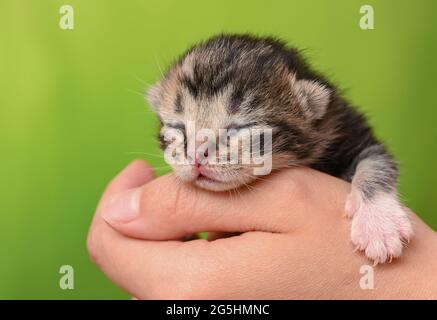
pixel 294 241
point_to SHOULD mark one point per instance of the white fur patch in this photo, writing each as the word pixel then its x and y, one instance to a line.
pixel 380 226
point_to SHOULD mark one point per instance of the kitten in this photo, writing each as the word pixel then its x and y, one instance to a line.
pixel 242 81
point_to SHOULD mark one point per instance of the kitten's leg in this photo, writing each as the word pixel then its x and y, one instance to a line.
pixel 380 226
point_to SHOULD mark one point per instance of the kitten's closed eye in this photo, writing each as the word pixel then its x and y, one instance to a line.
pixel 232 128
pixel 176 125
pixel 240 126
pixel 165 137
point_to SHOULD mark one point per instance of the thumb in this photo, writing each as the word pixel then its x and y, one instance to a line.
pixel 165 208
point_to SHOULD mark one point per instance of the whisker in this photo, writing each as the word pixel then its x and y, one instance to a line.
pixel 135 92
pixel 161 168
pixel 141 80
pixel 159 66
pixel 147 154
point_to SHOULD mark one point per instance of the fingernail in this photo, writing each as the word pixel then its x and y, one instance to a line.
pixel 123 207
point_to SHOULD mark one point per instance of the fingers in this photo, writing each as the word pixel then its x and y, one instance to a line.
pixel 133 176
pixel 130 263
pixel 177 270
pixel 173 269
pixel 145 268
pixel 220 235
pixel 166 209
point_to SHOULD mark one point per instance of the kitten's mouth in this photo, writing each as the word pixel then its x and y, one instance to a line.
pixel 209 179
pixel 206 181
pixel 206 174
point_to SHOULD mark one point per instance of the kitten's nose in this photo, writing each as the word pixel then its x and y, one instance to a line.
pixel 201 157
pixel 199 162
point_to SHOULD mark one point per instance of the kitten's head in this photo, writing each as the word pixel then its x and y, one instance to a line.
pixel 241 83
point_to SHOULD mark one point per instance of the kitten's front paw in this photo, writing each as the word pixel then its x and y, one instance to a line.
pixel 381 227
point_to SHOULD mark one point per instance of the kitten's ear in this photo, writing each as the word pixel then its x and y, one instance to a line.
pixel 313 97
pixel 153 96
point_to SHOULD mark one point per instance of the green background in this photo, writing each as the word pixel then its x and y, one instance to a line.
pixel 72 112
